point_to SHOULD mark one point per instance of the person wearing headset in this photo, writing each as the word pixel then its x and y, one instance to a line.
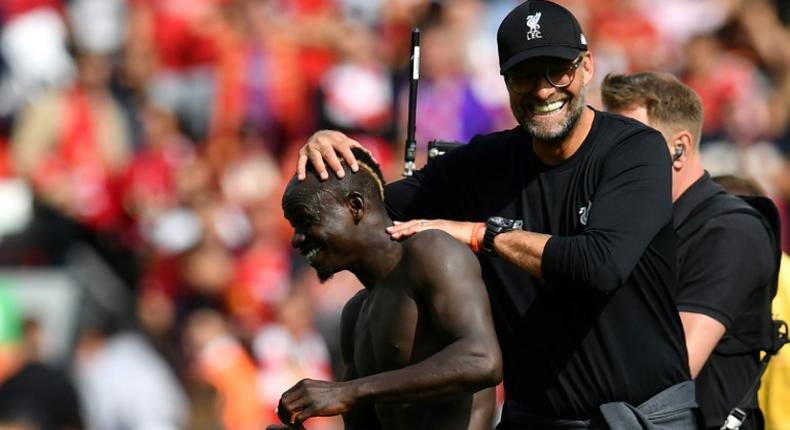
pixel 725 251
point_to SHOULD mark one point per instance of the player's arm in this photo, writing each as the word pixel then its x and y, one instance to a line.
pixel 359 415
pixel 362 415
pixel 348 320
pixel 483 409
pixel 447 278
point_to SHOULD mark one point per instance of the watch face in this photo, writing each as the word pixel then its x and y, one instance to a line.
pixel 494 226
pixel 498 220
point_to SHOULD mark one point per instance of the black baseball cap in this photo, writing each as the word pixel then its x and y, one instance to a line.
pixel 538 28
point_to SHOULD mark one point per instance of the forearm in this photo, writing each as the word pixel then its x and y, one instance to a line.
pixel 483 409
pixel 702 333
pixel 456 369
pixel 523 249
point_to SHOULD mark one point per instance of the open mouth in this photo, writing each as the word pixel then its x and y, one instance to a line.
pixel 548 108
pixel 311 253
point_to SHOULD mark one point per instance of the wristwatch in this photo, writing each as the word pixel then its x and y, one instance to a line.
pixel 496 225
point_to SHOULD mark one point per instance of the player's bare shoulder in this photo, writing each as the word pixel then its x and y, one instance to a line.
pixel 435 253
pixel 429 242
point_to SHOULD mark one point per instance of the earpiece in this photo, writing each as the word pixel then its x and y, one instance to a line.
pixel 678 153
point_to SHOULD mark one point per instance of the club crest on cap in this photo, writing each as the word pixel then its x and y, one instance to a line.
pixel 534 27
pixel 551 31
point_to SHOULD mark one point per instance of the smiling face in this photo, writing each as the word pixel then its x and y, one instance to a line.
pixel 337 221
pixel 549 113
pixel 322 226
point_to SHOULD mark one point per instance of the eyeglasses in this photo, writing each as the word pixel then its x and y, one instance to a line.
pixel 558 76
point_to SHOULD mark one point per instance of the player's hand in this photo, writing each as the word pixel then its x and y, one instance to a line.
pixel 311 398
pixel 462 231
pixel 324 149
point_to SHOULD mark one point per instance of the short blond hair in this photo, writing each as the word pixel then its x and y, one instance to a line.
pixel 669 103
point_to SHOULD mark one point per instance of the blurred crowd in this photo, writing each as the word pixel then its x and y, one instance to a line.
pixel 161 133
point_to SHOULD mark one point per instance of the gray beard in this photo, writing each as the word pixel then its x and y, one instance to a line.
pixel 576 109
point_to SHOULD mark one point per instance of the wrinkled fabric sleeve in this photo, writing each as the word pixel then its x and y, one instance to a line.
pixel 632 203
pixel 736 261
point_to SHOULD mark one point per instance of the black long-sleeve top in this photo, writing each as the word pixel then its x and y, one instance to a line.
pixel 601 325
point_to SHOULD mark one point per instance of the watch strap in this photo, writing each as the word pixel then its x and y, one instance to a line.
pixel 494 226
pixel 488 238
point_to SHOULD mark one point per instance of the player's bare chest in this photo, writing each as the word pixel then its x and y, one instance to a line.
pixel 386 330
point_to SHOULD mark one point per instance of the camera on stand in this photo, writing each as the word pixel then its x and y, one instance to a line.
pixel 438 148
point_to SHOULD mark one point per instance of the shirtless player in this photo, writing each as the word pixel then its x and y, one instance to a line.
pixel 418 341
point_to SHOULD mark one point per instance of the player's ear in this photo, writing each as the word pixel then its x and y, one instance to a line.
pixel 356 205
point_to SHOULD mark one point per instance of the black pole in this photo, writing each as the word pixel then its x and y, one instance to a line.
pixel 411 144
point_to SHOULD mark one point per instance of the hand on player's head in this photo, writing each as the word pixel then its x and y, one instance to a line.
pixel 323 150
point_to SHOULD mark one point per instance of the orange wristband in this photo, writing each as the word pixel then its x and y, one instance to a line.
pixel 474 242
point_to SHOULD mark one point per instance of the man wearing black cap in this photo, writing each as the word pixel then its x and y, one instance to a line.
pixel 577 248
